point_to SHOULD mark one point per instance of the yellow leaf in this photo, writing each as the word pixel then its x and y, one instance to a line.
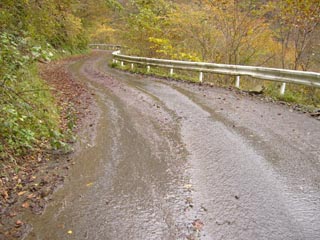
pixel 21 193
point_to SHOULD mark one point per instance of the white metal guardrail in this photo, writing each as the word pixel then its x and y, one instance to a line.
pixel 104 46
pixel 272 74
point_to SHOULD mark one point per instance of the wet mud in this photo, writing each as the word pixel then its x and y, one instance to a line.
pixel 171 160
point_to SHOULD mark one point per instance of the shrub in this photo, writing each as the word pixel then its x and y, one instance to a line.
pixel 28 115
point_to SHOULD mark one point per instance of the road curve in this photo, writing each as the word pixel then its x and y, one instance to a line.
pixel 172 160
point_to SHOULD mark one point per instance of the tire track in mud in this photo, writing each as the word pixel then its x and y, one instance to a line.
pixel 233 163
pixel 133 186
pixel 167 164
pixel 243 196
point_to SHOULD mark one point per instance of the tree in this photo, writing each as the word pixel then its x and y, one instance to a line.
pixel 243 29
pixel 296 24
pixel 144 20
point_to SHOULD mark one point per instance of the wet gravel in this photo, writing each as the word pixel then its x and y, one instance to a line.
pixel 172 160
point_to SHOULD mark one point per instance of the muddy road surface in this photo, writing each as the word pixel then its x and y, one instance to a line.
pixel 171 160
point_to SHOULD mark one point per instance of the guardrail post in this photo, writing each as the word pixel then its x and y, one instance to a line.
pixel 122 64
pixel 132 66
pixel 201 77
pixel 148 68
pixel 237 81
pixel 283 88
pixel 171 71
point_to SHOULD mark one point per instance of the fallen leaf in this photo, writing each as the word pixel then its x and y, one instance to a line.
pixel 19 223
pixel 5 195
pixel 70 232
pixel 32 195
pixel 61 226
pixel 21 193
pixel 12 214
pixel 25 205
pixel 89 184
pixel 198 224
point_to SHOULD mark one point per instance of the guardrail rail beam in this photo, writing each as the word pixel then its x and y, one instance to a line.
pixel 284 76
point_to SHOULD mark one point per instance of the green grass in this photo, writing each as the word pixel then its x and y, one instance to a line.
pixel 159 72
pixel 28 114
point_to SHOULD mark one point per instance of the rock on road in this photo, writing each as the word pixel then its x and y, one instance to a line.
pixel 172 160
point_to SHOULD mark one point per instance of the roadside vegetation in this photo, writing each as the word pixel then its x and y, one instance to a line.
pixel 33 33
pixel 34 122
pixel 39 100
pixel 281 34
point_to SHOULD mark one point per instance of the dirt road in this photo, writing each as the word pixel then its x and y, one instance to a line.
pixel 170 160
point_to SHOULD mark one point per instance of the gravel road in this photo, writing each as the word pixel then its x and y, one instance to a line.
pixel 172 160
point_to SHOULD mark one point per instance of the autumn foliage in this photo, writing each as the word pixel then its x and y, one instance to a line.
pixel 281 34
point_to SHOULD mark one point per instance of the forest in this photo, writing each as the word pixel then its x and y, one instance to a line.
pixel 282 34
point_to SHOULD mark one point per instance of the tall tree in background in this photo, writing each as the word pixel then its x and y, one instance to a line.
pixel 245 34
pixel 297 23
pixel 144 20
pixel 193 31
pixel 98 18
